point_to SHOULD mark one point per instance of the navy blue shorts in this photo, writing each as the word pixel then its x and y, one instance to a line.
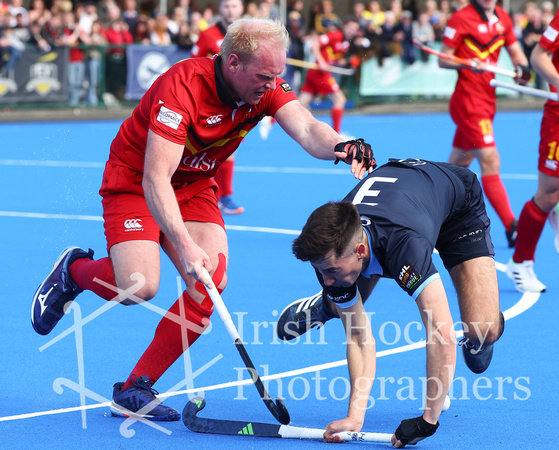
pixel 465 234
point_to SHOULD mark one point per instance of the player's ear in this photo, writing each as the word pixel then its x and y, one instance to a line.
pixel 360 249
pixel 233 62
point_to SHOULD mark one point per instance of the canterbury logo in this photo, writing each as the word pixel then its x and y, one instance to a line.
pixel 133 224
pixel 214 120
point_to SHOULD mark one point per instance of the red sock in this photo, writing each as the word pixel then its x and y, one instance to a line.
pixel 497 195
pixel 170 340
pixel 337 114
pixel 530 226
pixel 84 271
pixel 224 178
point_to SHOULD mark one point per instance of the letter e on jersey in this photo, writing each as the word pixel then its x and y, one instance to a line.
pixel 366 191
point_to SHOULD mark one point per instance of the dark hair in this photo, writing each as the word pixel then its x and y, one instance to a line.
pixel 332 226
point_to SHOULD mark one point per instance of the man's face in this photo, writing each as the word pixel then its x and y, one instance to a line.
pixel 231 10
pixel 342 271
pixel 487 5
pixel 252 79
pixel 350 30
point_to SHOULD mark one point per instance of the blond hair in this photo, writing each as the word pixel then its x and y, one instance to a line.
pixel 245 36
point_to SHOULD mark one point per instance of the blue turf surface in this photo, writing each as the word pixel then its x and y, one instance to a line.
pixel 50 174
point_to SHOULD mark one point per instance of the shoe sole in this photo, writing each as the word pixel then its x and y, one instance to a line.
pixel 118 411
pixel 36 297
pixel 299 300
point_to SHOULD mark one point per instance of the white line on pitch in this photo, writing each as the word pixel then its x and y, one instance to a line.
pixel 29 215
pixel 247 169
pixel 526 302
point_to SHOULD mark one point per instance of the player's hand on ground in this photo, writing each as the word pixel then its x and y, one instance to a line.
pixel 338 426
pixel 411 431
pixel 357 153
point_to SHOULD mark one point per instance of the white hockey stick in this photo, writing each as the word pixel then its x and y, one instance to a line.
pixel 526 90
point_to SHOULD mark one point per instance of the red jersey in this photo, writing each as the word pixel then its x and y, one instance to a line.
pixel 550 42
pixel 209 41
pixel 473 36
pixel 333 46
pixel 191 105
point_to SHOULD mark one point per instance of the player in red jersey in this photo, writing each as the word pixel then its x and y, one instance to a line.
pixel 545 60
pixel 478 32
pixel 329 49
pixel 207 45
pixel 158 191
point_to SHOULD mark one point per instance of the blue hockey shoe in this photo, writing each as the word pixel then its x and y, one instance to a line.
pixel 58 290
pixel 139 400
pixel 302 315
pixel 478 358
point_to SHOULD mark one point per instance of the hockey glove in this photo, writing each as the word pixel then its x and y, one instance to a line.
pixel 411 431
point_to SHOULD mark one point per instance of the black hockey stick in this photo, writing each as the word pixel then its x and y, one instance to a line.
pixel 244 428
pixel 278 409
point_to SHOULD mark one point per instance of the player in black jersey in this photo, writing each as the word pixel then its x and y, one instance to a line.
pixel 388 226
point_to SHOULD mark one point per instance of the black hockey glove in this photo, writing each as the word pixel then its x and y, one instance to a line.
pixel 363 152
pixel 523 74
pixel 411 431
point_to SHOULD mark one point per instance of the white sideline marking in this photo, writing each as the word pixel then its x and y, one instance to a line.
pixel 247 169
pixel 29 215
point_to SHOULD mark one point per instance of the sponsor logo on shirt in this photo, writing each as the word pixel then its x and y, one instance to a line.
pixel 133 225
pixel 551 34
pixel 408 276
pixel 482 28
pixel 214 120
pixel 169 117
pixel 551 164
pixel 449 32
pixel 286 88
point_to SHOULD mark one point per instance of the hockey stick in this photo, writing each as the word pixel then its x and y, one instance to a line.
pixel 278 409
pixel 243 428
pixel 464 62
pixel 526 90
pixel 311 65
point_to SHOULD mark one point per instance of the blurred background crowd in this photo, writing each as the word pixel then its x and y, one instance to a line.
pixel 102 29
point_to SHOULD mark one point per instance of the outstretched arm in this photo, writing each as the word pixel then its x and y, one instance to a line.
pixel 361 363
pixel 317 137
pixel 441 362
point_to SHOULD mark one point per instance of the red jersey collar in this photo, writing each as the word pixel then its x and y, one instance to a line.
pixel 223 91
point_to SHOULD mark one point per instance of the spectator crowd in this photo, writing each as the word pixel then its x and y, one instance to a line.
pixel 102 29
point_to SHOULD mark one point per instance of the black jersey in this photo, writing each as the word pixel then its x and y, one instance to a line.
pixel 410 207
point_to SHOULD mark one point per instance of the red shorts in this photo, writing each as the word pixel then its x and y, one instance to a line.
pixel 548 161
pixel 319 82
pixel 126 213
pixel 474 122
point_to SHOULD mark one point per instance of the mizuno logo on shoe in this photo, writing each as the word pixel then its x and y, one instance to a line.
pixel 42 298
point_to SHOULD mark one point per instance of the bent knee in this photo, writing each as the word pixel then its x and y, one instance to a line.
pixel 487 332
pixel 139 293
